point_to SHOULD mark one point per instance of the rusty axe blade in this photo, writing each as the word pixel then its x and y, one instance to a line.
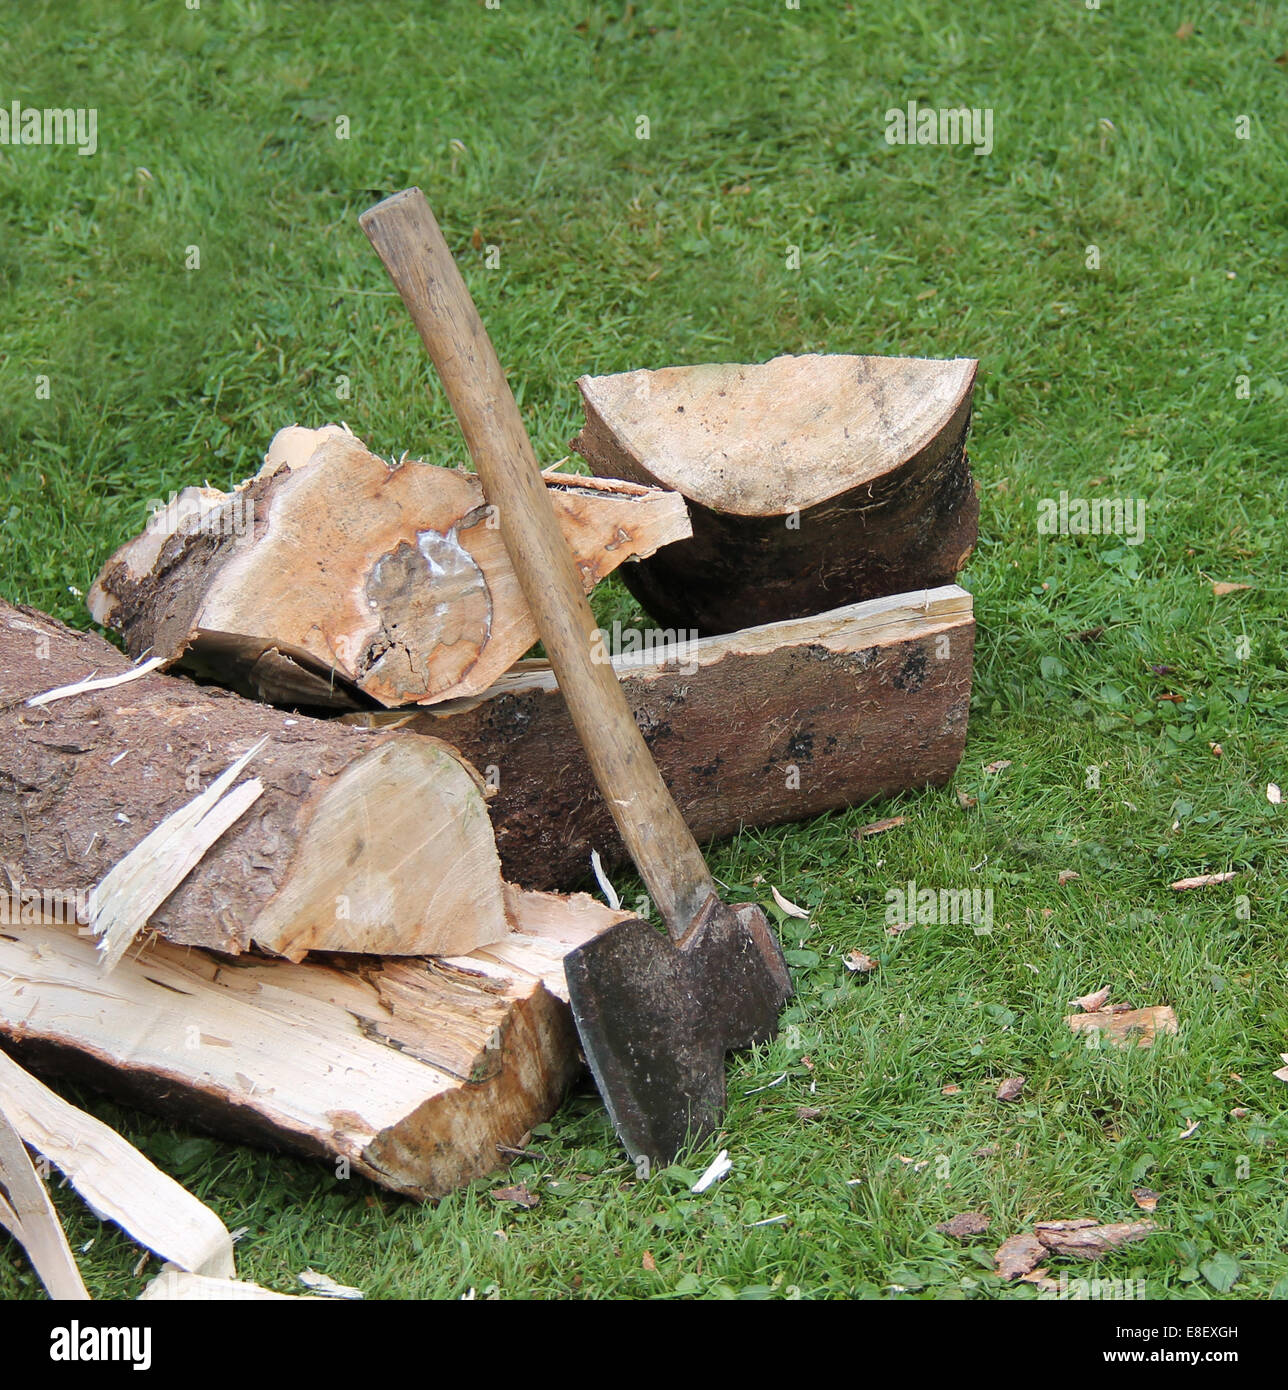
pixel 656 1016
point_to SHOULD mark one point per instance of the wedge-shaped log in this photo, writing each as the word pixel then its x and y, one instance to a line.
pixel 333 572
pixel 771 724
pixel 417 1073
pixel 359 842
pixel 813 481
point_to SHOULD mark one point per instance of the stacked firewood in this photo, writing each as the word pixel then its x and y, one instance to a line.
pixel 325 766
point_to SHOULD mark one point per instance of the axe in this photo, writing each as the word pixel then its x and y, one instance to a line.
pixel 656 1013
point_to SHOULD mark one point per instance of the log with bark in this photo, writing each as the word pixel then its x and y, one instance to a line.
pixel 419 1074
pixel 333 575
pixel 812 481
pixel 359 841
pixel 771 724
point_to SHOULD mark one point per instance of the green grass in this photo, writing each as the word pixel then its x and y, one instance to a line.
pixel 217 129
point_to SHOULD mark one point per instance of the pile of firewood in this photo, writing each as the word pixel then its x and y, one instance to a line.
pixel 329 770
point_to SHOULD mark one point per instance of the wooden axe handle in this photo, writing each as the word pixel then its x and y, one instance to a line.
pixel 408 240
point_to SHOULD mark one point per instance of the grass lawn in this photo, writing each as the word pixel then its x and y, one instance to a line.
pixel 1157 375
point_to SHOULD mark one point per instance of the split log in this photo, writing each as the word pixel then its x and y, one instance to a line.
pixel 416 1073
pixel 333 575
pixel 812 481
pixel 771 724
pixel 359 842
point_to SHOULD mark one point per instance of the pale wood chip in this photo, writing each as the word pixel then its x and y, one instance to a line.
pixel 879 827
pixel 1203 880
pixel 789 908
pixel 1125 1027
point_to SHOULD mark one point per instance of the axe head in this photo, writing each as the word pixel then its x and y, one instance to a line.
pixel 657 1016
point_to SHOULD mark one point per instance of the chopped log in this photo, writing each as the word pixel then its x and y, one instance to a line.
pixel 771 724
pixel 116 1181
pixel 333 575
pixel 812 481
pixel 410 1072
pixel 358 842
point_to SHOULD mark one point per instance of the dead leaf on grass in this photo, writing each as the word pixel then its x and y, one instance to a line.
pixel 1203 881
pixel 808 1112
pixel 1011 1088
pixel 1185 31
pixel 898 928
pixel 789 908
pixel 518 1194
pixel 950 1090
pixel 1145 1198
pixel 879 827
pixel 859 962
pixel 1018 1256
pixel 966 800
pixel 998 765
pixel 964 1226
pixel 1125 1027
pixel 1067 876
pixel 1088 1241
pixel 1220 587
pixel 1091 1003
pixel 648 1261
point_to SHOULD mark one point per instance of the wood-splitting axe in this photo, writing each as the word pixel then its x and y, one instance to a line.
pixel 656 1014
